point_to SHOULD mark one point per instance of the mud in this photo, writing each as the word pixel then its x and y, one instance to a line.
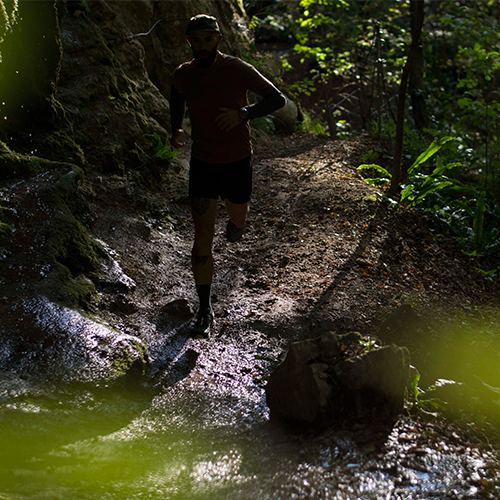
pixel 321 252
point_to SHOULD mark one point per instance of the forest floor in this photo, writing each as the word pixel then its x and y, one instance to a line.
pixel 322 251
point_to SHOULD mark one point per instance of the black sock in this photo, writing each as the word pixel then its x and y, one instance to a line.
pixel 204 296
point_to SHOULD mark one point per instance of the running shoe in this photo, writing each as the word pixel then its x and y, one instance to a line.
pixel 203 326
pixel 234 233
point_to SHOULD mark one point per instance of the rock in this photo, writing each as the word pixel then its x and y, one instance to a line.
pixel 56 343
pixel 316 384
pixel 111 275
pixel 121 304
pixel 179 309
pixel 377 379
pixel 85 71
pixel 298 389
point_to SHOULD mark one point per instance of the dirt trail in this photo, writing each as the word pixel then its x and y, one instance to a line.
pixel 322 251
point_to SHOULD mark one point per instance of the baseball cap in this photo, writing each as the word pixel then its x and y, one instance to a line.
pixel 202 22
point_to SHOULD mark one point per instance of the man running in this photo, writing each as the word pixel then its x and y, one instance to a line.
pixel 214 86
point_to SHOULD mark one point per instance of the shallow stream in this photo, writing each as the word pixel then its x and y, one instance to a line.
pixel 202 431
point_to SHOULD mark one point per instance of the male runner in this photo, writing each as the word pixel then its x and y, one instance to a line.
pixel 214 86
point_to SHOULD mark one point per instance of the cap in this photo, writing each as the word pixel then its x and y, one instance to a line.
pixel 202 22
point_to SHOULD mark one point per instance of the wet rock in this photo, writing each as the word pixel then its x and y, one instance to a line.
pixel 43 339
pixel 333 378
pixel 49 251
pixel 377 379
pixel 111 275
pixel 122 304
pixel 179 309
pixel 14 386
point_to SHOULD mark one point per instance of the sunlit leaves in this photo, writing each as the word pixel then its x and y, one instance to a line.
pixel 304 86
pixel 430 151
pixel 8 16
pixel 477 60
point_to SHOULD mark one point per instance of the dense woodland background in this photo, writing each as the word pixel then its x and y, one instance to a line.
pixel 353 55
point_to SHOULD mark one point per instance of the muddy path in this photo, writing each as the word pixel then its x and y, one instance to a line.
pixel 322 252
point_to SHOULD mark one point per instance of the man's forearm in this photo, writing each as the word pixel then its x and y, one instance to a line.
pixel 177 105
pixel 273 101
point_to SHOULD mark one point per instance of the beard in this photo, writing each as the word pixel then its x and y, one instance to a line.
pixel 208 57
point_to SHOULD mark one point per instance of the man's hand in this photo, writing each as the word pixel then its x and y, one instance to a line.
pixel 175 140
pixel 227 119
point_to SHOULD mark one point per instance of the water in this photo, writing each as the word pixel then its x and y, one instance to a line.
pixel 207 435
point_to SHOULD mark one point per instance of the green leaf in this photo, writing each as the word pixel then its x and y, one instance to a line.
pixel 378 168
pixel 465 102
pixel 407 192
pixel 430 151
pixel 431 189
pixel 440 168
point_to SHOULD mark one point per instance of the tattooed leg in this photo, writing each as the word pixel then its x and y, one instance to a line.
pixel 203 211
pixel 200 206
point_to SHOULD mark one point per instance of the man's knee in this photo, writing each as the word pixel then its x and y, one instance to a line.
pixel 200 206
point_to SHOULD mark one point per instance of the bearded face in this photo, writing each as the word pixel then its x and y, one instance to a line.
pixel 204 58
pixel 204 45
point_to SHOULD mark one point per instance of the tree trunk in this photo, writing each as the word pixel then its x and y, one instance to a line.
pixel 416 83
pixel 398 150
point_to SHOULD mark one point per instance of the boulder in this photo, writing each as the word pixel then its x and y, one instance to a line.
pixel 86 69
pixel 337 377
pixel 376 380
pixel 45 340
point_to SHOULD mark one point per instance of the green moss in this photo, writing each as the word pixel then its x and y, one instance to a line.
pixel 60 146
pixel 80 290
pixel 16 166
pixel 133 358
pixel 70 247
pixel 73 247
pixel 67 185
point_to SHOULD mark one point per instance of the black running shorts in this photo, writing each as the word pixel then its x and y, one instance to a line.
pixel 232 181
